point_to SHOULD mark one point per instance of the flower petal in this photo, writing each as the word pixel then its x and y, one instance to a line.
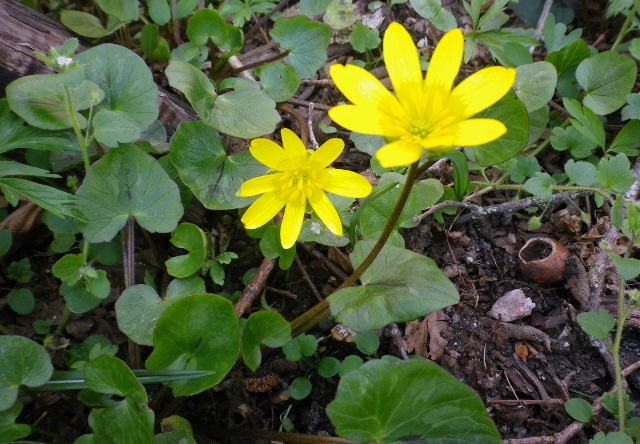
pixel 293 146
pixel 344 183
pixel 469 132
pixel 359 86
pixel 367 119
pixel 268 153
pixel 399 153
pixel 291 224
pixel 260 185
pixel 443 69
pixel 479 91
pixel 327 153
pixel 262 210
pixel 326 212
pixel 403 65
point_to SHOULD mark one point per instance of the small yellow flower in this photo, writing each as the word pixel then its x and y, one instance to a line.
pixel 298 177
pixel 424 113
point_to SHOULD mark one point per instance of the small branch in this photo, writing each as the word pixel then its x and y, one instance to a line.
pixel 256 286
pixel 307 279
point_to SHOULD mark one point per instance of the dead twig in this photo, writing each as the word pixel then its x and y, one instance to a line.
pixel 256 286
pixel 307 279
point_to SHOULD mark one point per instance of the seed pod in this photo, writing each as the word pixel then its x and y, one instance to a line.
pixel 543 260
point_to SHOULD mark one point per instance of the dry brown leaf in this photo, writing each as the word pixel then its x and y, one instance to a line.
pixel 23 219
pixel 340 259
pixel 425 338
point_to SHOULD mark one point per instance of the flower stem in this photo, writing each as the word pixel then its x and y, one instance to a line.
pixel 320 311
pixel 620 391
pixel 624 28
pixel 76 129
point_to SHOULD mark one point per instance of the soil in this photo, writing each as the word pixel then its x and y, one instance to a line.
pixel 523 370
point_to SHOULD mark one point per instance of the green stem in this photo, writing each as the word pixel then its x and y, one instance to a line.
pixel 620 391
pixel 76 129
pixel 320 311
pixel 4 330
pixel 624 29
pixel 64 321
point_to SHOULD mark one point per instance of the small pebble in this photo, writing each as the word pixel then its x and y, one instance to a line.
pixel 513 305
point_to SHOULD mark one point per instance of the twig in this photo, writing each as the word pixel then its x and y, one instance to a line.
pixel 305 103
pixel 333 268
pixel 252 290
pixel 285 293
pixel 307 279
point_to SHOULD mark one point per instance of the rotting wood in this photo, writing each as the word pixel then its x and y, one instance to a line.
pixel 24 30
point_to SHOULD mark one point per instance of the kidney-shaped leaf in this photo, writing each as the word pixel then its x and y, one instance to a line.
pixel 127 183
pixel 214 177
pixel 387 401
pixel 246 113
pixel 23 362
pixel 131 100
pixel 399 286
pixel 192 239
pixel 200 332
pixel 264 327
pixel 535 84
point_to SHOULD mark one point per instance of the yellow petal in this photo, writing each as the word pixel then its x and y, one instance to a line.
pixel 268 153
pixel 479 91
pixel 369 119
pixel 260 185
pixel 326 212
pixel 399 153
pixel 403 65
pixel 293 146
pixel 466 133
pixel 291 224
pixel 443 69
pixel 262 210
pixel 359 86
pixel 344 183
pixel 327 153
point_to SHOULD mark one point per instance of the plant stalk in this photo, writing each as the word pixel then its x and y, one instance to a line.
pixel 624 29
pixel 620 390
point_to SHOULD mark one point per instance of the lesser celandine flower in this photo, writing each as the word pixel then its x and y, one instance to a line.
pixel 424 113
pixel 298 177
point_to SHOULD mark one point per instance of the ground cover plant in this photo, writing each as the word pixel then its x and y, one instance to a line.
pixel 321 254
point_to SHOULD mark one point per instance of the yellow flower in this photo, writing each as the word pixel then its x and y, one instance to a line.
pixel 424 113
pixel 298 177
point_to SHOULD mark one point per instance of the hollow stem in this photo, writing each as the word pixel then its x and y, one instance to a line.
pixel 320 311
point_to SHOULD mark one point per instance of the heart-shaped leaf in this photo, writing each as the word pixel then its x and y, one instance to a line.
pixel 264 327
pixel 399 286
pixel 535 84
pixel 387 401
pixel 9 430
pixel 192 239
pixel 127 183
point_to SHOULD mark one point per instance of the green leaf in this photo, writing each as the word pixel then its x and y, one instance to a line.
pixel 628 268
pixel 127 183
pixel 581 173
pixel 280 81
pixel 194 84
pixel 208 24
pixel 129 421
pixel 88 25
pixel 598 325
pixel 350 363
pixel 632 108
pixel 9 430
pixel 579 409
pixel 388 401
pixel 124 10
pixel 615 173
pixel 367 342
pixel 611 438
pixel 20 271
pixel 535 84
pixel 563 139
pixel 328 367
pixel 159 11
pixel 521 168
pixel 607 78
pixel 271 247
pixel 185 340
pixel 433 11
pixel 153 45
pixel 41 101
pixel 131 101
pixel 78 298
pixel 540 185
pixel 340 14
pixel 303 345
pixel 21 301
pixel 554 38
pixel 51 199
pixel 398 286
pixel 586 122
pixel 313 7
pixel 246 113
pixel 497 42
pixel 192 239
pixel 364 38
pixel 212 176
pixel 300 388
pixel 510 111
pixel 569 57
pixel 627 140
pixel 264 327
pixel 5 241
pixel 307 42
pixel 69 268
pixel 23 362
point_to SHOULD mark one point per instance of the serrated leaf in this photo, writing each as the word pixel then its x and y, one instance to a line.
pixel 581 173
pixel 307 42
pixel 390 401
pixel 192 239
pixel 535 84
pixel 598 325
pixel 563 139
pixel 607 78
pixel 127 183
pixel 540 185
pixel 212 176
pixel 264 327
pixel 615 173
pixel 398 286
pixel 364 38
pixel 586 122
pixel 632 108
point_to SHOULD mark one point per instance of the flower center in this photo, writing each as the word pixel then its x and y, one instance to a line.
pixel 420 128
pixel 299 185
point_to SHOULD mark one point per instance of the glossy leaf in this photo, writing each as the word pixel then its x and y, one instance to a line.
pixel 307 42
pixel 212 176
pixel 200 332
pixel 131 100
pixel 398 286
pixel 264 327
pixel 388 401
pixel 23 362
pixel 127 183
pixel 192 239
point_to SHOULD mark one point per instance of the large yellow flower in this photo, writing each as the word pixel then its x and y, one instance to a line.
pixel 298 177
pixel 424 113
